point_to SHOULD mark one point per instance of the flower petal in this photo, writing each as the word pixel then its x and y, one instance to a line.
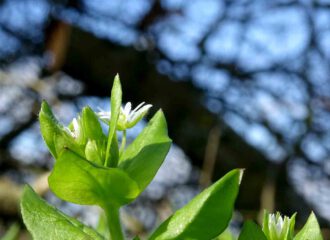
pixel 127 109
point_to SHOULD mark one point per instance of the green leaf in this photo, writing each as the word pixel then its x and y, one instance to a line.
pixel 56 137
pixel 95 149
pixel 80 181
pixel 311 230
pixel 88 127
pixel 49 127
pixel 102 226
pixel 116 98
pixel 93 152
pixel 91 126
pixel 114 150
pixel 251 231
pixel 79 133
pixel 142 159
pixel 226 235
pixel 47 223
pixel 12 233
pixel 206 216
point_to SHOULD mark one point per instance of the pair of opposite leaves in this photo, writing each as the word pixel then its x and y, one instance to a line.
pixel 203 218
pixel 77 177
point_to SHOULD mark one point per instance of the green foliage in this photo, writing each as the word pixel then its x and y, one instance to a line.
pixel 251 231
pixel 91 127
pixel 206 216
pixel 226 235
pixel 311 230
pixel 92 169
pixel 46 222
pixel 111 160
pixel 86 170
pixel 77 180
pixel 49 127
pixel 12 233
pixel 145 155
pixel 57 137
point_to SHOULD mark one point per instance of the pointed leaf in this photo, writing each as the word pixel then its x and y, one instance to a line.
pixel 93 152
pixel 251 231
pixel 311 230
pixel 12 233
pixel 56 137
pixel 226 235
pixel 78 130
pixel 114 151
pixel 102 226
pixel 206 216
pixel 49 127
pixel 91 125
pixel 116 98
pixel 265 224
pixel 47 223
pixel 78 180
pixel 142 159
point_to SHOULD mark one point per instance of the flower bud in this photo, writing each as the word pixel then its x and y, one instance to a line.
pixel 277 227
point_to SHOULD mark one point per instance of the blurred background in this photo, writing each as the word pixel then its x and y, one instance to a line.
pixel 243 84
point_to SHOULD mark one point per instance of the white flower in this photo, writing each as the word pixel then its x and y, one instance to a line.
pixel 127 118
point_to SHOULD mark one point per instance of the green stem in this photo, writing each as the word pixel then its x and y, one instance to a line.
pixel 123 143
pixel 112 214
pixel 107 153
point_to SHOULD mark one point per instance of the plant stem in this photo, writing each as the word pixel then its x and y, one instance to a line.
pixel 123 143
pixel 112 214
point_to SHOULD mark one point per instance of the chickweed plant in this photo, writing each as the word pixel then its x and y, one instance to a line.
pixel 94 168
